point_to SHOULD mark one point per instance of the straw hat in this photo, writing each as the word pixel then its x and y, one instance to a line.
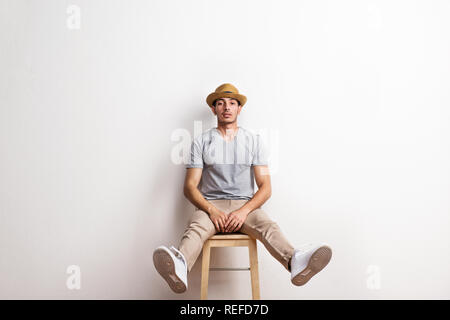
pixel 226 90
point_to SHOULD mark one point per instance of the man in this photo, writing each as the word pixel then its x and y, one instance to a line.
pixel 222 167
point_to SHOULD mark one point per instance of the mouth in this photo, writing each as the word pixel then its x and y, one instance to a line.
pixel 227 114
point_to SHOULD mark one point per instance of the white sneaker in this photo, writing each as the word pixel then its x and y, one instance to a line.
pixel 308 261
pixel 171 265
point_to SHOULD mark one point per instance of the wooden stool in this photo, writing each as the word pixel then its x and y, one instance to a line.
pixel 230 240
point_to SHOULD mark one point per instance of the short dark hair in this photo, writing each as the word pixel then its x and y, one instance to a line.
pixel 214 103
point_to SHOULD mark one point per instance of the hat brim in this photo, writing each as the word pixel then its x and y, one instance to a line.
pixel 217 95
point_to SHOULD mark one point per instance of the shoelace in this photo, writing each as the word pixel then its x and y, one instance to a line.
pixel 178 254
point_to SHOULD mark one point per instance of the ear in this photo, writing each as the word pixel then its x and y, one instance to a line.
pixel 239 109
pixel 213 109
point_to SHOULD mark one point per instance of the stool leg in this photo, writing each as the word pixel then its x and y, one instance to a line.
pixel 253 255
pixel 205 270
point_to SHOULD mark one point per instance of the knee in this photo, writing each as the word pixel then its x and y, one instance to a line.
pixel 262 229
pixel 268 227
pixel 202 230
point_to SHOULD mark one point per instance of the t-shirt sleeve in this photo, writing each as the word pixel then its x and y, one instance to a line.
pixel 260 156
pixel 195 156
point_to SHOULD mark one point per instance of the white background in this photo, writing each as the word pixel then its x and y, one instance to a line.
pixel 356 92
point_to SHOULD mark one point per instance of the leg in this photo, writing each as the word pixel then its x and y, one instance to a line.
pixel 259 226
pixel 205 271
pixel 199 230
pixel 254 274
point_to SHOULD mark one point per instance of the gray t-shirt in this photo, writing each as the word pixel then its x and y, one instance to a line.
pixel 227 165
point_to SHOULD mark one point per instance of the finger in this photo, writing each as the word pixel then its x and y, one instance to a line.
pixel 228 219
pixel 237 227
pixel 231 225
pixel 226 226
pixel 217 226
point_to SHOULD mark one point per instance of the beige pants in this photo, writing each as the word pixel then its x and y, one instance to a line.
pixel 257 225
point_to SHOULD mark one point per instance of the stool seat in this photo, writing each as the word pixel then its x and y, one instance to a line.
pixel 230 236
pixel 230 240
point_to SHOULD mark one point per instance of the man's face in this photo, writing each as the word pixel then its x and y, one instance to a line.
pixel 226 110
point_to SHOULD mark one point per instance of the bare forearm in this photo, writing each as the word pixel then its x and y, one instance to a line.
pixel 259 198
pixel 197 199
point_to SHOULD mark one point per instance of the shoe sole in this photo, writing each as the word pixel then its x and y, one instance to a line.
pixel 316 263
pixel 166 268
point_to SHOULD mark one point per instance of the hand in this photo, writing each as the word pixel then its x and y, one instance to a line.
pixel 219 218
pixel 235 221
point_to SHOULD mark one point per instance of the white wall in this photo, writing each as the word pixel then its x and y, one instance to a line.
pixel 354 95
